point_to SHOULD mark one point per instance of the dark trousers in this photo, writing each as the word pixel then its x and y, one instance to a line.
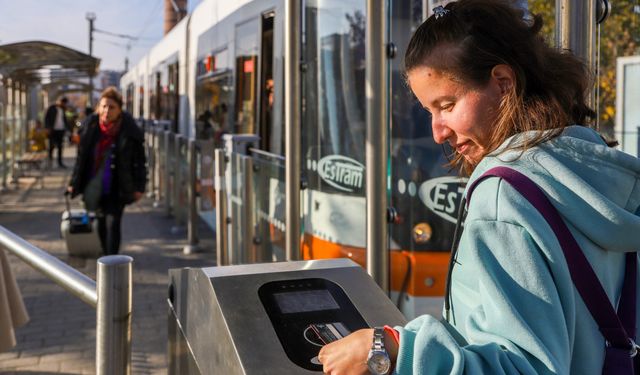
pixel 109 220
pixel 55 140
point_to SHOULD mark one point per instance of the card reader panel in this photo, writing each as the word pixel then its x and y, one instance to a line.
pixel 307 314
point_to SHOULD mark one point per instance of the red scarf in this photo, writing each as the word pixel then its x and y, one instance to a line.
pixel 108 133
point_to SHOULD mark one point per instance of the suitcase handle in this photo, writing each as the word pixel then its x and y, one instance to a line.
pixel 66 199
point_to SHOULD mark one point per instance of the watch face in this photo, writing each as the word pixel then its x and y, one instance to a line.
pixel 379 363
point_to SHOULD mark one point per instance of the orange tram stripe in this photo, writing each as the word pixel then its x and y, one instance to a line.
pixel 427 272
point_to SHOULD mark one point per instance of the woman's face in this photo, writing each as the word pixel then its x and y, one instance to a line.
pixel 109 110
pixel 460 115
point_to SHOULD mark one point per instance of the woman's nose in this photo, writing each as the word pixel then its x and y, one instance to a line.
pixel 441 131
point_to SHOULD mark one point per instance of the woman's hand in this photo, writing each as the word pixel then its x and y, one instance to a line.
pixel 349 355
pixel 137 195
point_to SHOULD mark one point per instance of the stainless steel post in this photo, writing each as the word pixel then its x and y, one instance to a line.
pixel 151 162
pixel 248 249
pixel 167 172
pixel 159 139
pixel 192 222
pixel 292 123
pixel 22 125
pixel 576 30
pixel 12 138
pixel 113 315
pixel 376 91
pixel 177 208
pixel 3 133
pixel 222 226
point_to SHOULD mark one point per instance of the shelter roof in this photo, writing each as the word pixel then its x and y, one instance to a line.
pixel 45 62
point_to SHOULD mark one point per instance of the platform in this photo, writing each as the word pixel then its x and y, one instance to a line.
pixel 60 338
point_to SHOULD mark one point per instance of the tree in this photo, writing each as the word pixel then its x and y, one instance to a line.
pixel 619 36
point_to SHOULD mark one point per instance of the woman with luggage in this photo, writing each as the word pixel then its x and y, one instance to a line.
pixel 548 249
pixel 110 169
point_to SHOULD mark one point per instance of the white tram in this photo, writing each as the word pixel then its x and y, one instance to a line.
pixel 221 70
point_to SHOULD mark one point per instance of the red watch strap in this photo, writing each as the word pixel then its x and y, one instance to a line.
pixel 393 333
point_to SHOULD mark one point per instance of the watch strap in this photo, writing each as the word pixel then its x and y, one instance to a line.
pixel 378 339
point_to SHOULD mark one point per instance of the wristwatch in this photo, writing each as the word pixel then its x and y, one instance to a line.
pixel 378 360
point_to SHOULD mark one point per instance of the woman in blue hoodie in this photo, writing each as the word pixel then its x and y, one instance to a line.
pixel 501 97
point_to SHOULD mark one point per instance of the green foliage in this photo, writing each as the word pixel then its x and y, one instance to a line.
pixel 619 36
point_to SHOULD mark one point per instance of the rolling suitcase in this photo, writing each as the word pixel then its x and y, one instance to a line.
pixel 79 229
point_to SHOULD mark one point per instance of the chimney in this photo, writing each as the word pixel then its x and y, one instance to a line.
pixel 174 11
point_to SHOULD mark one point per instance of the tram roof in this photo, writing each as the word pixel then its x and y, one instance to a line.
pixel 45 62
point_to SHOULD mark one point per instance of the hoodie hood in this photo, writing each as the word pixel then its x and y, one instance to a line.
pixel 595 188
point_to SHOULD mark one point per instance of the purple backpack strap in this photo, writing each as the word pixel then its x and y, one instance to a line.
pixel 617 328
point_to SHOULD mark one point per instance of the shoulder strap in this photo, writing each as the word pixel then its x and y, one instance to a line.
pixel 583 276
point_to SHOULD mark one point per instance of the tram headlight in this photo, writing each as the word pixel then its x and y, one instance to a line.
pixel 422 233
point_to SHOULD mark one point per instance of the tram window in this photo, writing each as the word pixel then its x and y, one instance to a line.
pixel 423 188
pixel 141 112
pixel 267 130
pixel 247 48
pixel 129 98
pixel 163 95
pixel 172 95
pixel 152 98
pixel 155 96
pixel 212 112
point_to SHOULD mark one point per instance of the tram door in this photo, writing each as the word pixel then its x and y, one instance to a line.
pixel 333 129
pixel 246 53
pixel 424 192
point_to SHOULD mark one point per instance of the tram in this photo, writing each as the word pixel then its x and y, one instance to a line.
pixel 221 70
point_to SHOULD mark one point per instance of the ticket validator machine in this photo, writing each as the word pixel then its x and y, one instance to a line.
pixel 268 318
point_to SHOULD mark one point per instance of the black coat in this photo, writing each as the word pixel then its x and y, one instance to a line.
pixel 128 159
pixel 50 118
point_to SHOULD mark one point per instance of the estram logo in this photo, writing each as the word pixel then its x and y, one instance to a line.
pixel 443 195
pixel 341 172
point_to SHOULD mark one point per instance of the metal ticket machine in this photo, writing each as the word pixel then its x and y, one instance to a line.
pixel 268 318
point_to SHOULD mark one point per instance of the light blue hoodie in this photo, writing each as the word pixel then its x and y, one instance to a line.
pixel 514 306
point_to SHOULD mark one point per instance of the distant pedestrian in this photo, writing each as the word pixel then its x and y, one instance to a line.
pixel 55 121
pixel 110 170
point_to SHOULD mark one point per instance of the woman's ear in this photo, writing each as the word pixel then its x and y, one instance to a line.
pixel 504 76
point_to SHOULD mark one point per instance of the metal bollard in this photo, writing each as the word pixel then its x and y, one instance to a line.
pixel 248 248
pixel 3 145
pixel 113 315
pixel 157 166
pixel 177 182
pixel 222 225
pixel 151 160
pixel 167 174
pixel 192 221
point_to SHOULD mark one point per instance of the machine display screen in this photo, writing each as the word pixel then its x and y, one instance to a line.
pixel 305 301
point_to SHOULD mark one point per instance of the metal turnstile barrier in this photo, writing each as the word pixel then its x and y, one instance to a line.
pixel 268 318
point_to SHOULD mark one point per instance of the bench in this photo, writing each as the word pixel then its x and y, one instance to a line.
pixel 31 164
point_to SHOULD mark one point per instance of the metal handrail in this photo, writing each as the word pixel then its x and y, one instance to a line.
pixel 110 296
pixel 266 154
pixel 67 277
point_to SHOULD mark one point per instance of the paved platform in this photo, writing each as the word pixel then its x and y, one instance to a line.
pixel 60 337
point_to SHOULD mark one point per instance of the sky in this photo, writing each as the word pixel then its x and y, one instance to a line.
pixel 64 22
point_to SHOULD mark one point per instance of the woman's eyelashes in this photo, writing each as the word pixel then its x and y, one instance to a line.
pixel 447 107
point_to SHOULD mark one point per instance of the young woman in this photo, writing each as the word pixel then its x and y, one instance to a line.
pixel 110 170
pixel 500 96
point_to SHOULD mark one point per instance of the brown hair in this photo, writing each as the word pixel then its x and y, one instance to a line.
pixel 471 37
pixel 112 93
